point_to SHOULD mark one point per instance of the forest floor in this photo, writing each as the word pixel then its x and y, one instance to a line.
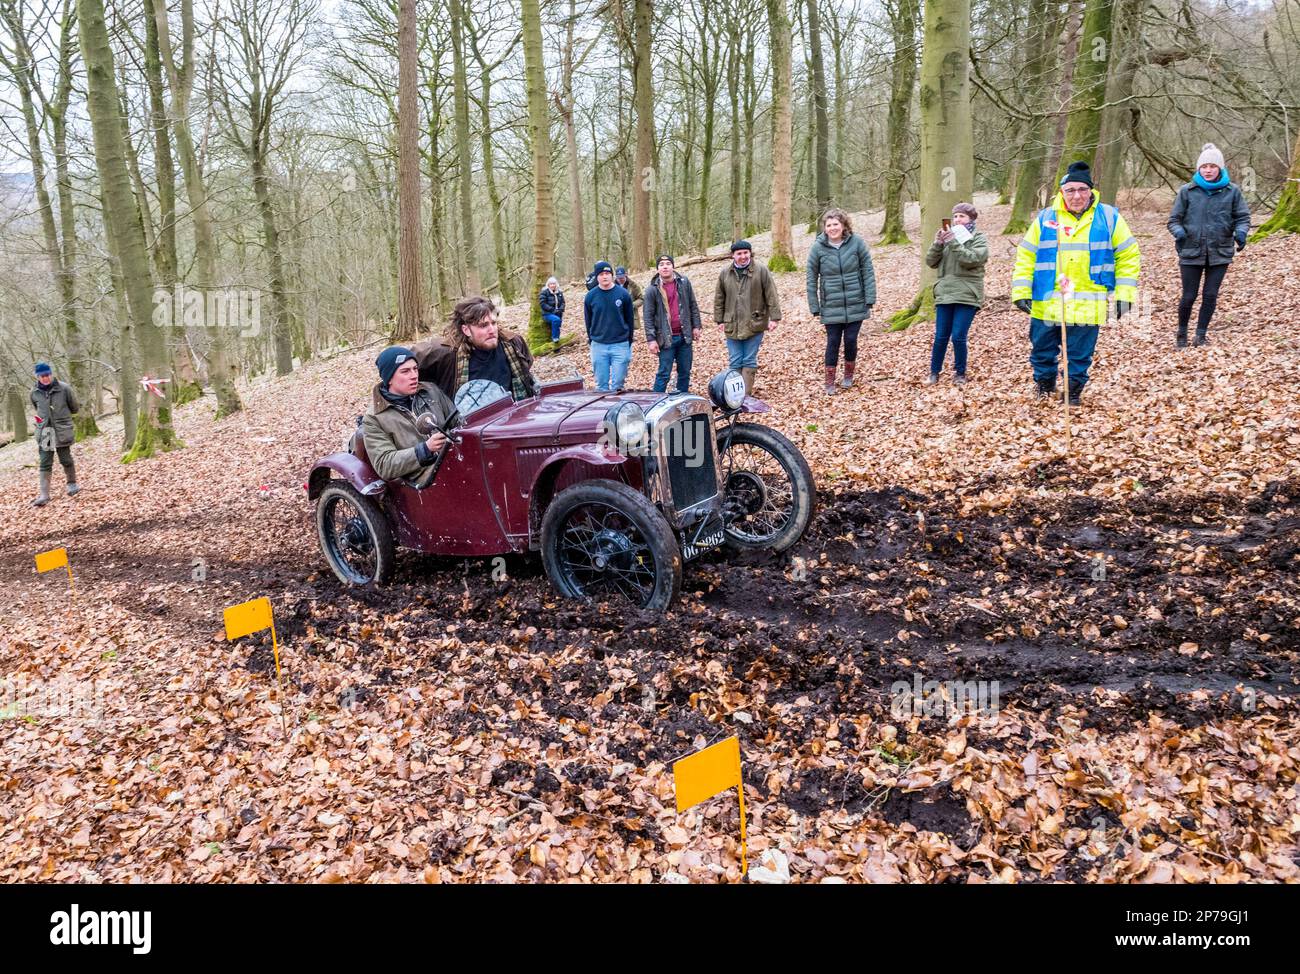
pixel 1131 603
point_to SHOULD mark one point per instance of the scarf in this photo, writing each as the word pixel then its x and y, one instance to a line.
pixel 1205 184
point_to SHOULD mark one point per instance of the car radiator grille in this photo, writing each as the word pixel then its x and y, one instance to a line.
pixel 691 470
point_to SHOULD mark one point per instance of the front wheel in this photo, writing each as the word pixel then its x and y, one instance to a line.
pixel 769 495
pixel 354 535
pixel 602 538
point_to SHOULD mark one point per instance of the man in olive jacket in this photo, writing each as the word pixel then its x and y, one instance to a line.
pixel 745 306
pixel 395 446
pixel 55 403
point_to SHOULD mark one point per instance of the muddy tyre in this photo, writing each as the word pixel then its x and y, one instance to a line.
pixel 354 535
pixel 601 538
pixel 769 495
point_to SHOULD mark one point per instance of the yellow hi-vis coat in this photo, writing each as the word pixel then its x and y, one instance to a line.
pixel 1088 304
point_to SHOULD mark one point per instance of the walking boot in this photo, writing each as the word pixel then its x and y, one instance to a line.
pixel 847 381
pixel 830 380
pixel 43 497
pixel 71 472
pixel 1076 392
pixel 1180 340
pixel 1201 337
pixel 1046 387
pixel 749 375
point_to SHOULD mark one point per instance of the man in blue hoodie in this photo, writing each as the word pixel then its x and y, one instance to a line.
pixel 607 313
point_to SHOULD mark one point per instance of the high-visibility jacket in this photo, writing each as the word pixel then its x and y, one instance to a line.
pixel 1082 256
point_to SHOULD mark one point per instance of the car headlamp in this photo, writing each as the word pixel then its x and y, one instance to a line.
pixel 727 389
pixel 625 425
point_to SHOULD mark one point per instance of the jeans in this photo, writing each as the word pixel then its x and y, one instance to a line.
pixel 554 322
pixel 610 362
pixel 951 321
pixel 849 330
pixel 1209 296
pixel 744 354
pixel 1045 338
pixel 680 351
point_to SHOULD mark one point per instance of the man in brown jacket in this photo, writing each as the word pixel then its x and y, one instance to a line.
pixel 394 444
pixel 477 348
pixel 745 305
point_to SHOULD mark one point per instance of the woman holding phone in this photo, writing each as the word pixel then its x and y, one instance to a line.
pixel 959 251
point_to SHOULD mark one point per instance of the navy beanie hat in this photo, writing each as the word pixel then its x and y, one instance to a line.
pixel 389 359
pixel 742 245
pixel 1079 172
pixel 620 272
pixel 43 368
pixel 602 265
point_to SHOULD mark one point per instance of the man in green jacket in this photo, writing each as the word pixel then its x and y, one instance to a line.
pixel 745 306
pixel 395 445
pixel 55 403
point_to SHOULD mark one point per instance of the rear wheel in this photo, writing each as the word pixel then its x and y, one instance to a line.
pixel 354 535
pixel 769 494
pixel 601 538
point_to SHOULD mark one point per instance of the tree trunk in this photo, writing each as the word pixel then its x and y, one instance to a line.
pixel 1044 32
pixel 153 426
pixel 565 105
pixel 222 365
pixel 903 16
pixel 1083 130
pixel 410 273
pixel 468 256
pixel 778 19
pixel 539 136
pixel 1286 217
pixel 638 258
pixel 734 54
pixel 821 159
pixel 947 139
pixel 1125 43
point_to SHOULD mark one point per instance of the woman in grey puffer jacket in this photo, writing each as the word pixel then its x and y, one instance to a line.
pixel 841 290
pixel 1209 217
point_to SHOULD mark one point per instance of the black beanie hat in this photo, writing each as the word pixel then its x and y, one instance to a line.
pixel 1079 172
pixel 665 257
pixel 389 359
pixel 602 265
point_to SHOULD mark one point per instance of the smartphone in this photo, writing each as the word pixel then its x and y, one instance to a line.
pixel 947 223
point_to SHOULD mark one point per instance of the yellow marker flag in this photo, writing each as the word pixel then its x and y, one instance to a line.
pixel 254 616
pixel 710 772
pixel 47 561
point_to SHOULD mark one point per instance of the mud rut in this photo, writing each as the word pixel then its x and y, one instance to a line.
pixel 999 596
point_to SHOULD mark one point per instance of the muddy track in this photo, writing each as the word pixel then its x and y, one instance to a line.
pixel 1195 611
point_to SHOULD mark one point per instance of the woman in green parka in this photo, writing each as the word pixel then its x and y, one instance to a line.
pixel 841 291
pixel 959 254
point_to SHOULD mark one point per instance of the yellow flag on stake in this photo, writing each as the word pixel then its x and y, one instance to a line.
pixel 710 772
pixel 250 617
pixel 47 561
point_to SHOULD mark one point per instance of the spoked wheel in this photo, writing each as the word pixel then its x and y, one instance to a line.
pixel 601 538
pixel 355 536
pixel 769 495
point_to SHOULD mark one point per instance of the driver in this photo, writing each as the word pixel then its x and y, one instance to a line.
pixel 477 348
pixel 390 428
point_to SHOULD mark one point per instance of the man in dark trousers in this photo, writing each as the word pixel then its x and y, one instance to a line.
pixel 55 403
pixel 672 323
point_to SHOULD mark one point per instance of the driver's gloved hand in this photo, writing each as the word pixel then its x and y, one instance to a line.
pixel 1025 305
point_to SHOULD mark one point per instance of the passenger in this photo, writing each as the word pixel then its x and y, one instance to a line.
pixel 394 444
pixel 477 348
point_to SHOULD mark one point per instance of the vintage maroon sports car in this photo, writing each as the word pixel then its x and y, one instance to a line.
pixel 615 490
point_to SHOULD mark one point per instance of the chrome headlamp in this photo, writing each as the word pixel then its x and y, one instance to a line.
pixel 625 428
